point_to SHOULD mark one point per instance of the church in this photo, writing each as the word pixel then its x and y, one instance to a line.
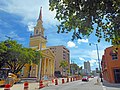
pixel 38 42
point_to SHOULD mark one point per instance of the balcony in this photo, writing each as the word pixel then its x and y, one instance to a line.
pixel 31 36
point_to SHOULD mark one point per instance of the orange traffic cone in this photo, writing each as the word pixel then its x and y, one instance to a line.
pixel 71 79
pixel 56 82
pixel 67 79
pixel 7 87
pixel 41 84
pixel 63 81
pixel 25 85
pixel 52 80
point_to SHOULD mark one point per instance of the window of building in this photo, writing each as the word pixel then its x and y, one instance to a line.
pixel 114 57
pixel 63 57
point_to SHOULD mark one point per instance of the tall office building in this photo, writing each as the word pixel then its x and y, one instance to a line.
pixel 87 67
pixel 61 53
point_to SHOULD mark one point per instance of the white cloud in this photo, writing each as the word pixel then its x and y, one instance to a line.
pixel 71 44
pixel 31 26
pixel 93 54
pixel 82 59
pixel 93 62
pixel 82 40
pixel 29 10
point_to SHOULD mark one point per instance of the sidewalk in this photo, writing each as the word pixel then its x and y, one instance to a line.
pixel 107 84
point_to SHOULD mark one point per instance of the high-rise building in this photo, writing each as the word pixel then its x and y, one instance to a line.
pixel 61 53
pixel 87 67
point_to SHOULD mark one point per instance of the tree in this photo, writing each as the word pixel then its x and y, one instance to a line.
pixel 15 56
pixel 81 16
pixel 2 54
pixel 74 68
pixel 64 65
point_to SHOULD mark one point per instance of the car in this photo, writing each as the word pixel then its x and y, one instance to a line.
pixel 85 78
pixel 92 76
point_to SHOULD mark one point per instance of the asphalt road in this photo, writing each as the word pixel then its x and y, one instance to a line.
pixel 77 85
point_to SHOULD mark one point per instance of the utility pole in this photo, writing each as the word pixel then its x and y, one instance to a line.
pixel 72 62
pixel 98 60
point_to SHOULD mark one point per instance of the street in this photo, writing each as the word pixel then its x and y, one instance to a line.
pixel 75 85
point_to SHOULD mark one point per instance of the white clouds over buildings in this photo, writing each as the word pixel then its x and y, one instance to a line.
pixel 71 44
pixel 82 40
pixel 82 59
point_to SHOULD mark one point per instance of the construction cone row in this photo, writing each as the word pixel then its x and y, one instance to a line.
pixel 41 85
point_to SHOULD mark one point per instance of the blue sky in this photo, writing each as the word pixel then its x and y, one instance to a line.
pixel 18 17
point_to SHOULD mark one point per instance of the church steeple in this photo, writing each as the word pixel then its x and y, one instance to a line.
pixel 38 37
pixel 40 15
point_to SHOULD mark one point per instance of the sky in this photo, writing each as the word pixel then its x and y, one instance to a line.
pixel 18 18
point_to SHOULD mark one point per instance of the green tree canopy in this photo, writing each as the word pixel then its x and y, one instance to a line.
pixel 14 56
pixel 3 49
pixel 81 16
pixel 74 66
pixel 63 64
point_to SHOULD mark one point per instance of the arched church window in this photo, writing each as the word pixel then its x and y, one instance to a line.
pixel 36 31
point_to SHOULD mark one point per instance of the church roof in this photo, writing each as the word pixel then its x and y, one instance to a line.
pixel 40 15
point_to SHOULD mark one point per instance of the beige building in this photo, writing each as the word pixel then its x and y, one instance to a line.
pixel 61 53
pixel 38 42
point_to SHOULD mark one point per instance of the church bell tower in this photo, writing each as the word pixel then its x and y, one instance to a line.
pixel 38 40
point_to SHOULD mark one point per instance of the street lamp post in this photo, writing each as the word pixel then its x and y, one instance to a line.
pixel 98 60
pixel 72 66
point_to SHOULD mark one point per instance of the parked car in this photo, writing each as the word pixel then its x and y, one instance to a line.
pixel 85 78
